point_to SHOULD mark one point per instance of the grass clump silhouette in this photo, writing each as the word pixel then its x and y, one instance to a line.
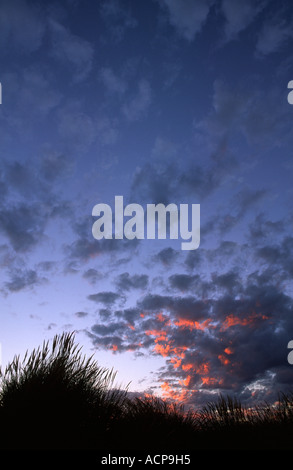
pixel 55 398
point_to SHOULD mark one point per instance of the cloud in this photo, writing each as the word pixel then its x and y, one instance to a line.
pixel 106 298
pixel 273 34
pixel 260 116
pixel 84 248
pixel 106 330
pixel 77 129
pixel 188 17
pixel 261 229
pixel 125 281
pixel 166 183
pixel 22 26
pixel 55 165
pixel 118 18
pixel 167 256
pixel 47 266
pixel 229 282
pixel 153 185
pixel 113 83
pixel 227 332
pixel 22 179
pixel 243 201
pixel 239 14
pixel 71 50
pixel 279 255
pixel 92 275
pixel 34 90
pixel 81 314
pixel 182 282
pixel 23 224
pixel 23 278
pixel 187 307
pixel 138 104
pixel 31 201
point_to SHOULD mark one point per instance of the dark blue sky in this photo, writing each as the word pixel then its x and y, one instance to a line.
pixel 160 101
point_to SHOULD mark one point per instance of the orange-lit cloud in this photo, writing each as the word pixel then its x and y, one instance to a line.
pixel 211 381
pixel 160 335
pixel 176 362
pixel 187 367
pixel 163 349
pixel 224 360
pixel 232 320
pixel 203 369
pixel 228 351
pixel 163 318
pixel 186 381
pixel 169 393
pixel 193 325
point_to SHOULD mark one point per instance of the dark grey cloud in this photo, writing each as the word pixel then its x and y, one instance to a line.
pixel 23 278
pixel 106 330
pixel 167 256
pixel 279 255
pixel 31 203
pixel 81 314
pixel 47 266
pixel 84 248
pixel 93 275
pixel 23 225
pixel 229 281
pixel 165 183
pixel 54 166
pixel 107 298
pixel 125 281
pixel 154 186
pixel 188 307
pixel 22 179
pixel 130 315
pixel 261 229
pixel 183 282
pixel 105 313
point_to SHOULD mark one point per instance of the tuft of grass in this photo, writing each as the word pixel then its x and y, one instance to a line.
pixel 226 411
pixel 55 397
pixel 153 423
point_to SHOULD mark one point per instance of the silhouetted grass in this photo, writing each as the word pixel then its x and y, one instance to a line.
pixel 57 399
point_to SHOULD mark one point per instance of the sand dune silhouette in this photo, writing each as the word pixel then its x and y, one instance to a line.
pixel 56 398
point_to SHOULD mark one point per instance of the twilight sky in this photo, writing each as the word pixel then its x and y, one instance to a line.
pixel 158 101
